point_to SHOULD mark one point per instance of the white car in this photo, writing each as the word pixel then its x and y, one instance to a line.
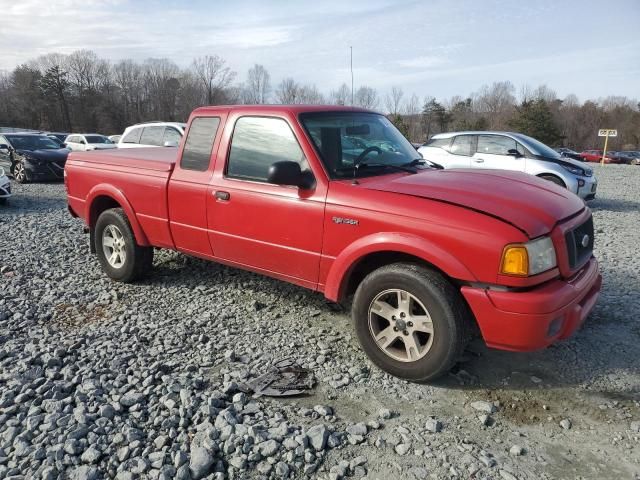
pixel 88 141
pixel 5 187
pixel 152 134
pixel 115 138
pixel 510 151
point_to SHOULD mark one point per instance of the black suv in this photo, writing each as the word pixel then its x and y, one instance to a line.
pixel 32 157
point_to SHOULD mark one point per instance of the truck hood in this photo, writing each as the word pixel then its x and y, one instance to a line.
pixel 529 203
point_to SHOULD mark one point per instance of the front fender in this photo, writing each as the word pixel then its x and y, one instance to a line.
pixel 106 190
pixel 391 242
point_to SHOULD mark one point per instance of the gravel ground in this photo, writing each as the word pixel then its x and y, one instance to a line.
pixel 104 380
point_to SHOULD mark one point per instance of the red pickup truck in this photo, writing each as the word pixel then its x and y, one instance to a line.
pixel 336 200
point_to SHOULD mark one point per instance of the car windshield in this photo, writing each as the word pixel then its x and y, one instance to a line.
pixel 538 147
pixel 97 139
pixel 32 142
pixel 345 140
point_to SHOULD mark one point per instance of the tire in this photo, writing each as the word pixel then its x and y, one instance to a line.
pixel 554 179
pixel 20 173
pixel 128 260
pixel 428 290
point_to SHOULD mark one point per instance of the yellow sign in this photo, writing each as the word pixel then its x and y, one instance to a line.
pixel 607 132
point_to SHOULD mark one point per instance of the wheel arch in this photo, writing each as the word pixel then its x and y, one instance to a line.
pixel 371 252
pixel 554 175
pixel 104 197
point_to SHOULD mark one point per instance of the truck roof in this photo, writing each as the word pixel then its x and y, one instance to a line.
pixel 276 108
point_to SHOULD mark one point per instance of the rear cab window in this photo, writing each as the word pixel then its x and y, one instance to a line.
pixel 259 142
pixel 196 154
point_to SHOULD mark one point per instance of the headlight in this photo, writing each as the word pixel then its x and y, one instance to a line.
pixel 574 170
pixel 526 259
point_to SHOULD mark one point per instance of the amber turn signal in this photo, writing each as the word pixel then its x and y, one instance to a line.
pixel 515 261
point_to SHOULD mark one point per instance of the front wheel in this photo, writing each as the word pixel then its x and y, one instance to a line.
pixel 20 173
pixel 410 321
pixel 121 257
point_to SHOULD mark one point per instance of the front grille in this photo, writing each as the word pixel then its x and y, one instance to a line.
pixel 578 252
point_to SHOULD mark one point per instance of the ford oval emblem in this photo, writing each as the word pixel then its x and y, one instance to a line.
pixel 585 241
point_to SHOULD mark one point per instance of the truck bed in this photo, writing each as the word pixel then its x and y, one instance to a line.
pixel 158 159
pixel 136 178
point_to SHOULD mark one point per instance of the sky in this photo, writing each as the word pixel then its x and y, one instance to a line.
pixel 438 48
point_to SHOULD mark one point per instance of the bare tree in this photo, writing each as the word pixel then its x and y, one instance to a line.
pixel 288 92
pixel 310 95
pixel 497 102
pixel 342 96
pixel 366 97
pixel 393 100
pixel 411 110
pixel 214 75
pixel 258 85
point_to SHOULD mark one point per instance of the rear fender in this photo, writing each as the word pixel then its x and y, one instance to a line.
pixel 106 190
pixel 415 246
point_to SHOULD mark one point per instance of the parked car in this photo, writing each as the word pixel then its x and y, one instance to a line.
pixel 567 152
pixel 29 156
pixel 510 151
pixel 57 136
pixel 5 187
pixel 89 141
pixel 596 156
pixel 634 156
pixel 428 255
pixel 115 138
pixel 152 134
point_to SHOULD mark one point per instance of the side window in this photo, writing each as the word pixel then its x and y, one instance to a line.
pixel 521 150
pixel 495 144
pixel 439 143
pixel 71 139
pixel 462 145
pixel 133 136
pixel 199 142
pixel 259 142
pixel 152 136
pixel 171 135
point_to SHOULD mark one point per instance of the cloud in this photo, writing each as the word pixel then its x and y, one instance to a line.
pixel 422 62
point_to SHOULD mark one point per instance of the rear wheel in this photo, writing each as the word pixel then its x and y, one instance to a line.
pixel 121 257
pixel 554 179
pixel 410 321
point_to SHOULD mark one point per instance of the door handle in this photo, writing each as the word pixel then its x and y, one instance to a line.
pixel 478 160
pixel 221 195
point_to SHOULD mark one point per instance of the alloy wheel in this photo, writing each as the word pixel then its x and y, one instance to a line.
pixel 113 246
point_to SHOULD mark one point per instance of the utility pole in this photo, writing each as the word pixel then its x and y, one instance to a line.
pixel 351 50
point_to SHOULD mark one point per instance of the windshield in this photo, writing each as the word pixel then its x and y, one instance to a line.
pixel 346 139
pixel 32 142
pixel 537 147
pixel 97 139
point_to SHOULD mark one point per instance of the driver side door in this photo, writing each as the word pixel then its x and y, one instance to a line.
pixel 492 152
pixel 273 229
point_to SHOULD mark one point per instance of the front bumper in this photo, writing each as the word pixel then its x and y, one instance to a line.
pixel 588 190
pixel 534 319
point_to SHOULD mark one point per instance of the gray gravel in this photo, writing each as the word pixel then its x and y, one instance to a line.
pixel 103 380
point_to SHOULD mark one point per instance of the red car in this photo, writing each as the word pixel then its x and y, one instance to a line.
pixel 595 156
pixel 336 200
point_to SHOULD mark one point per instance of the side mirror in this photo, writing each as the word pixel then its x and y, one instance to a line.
pixel 514 153
pixel 171 143
pixel 289 173
pixel 83 142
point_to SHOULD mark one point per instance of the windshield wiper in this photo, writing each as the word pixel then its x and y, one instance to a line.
pixel 401 168
pixel 422 161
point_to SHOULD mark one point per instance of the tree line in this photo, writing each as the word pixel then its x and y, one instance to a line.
pixel 83 92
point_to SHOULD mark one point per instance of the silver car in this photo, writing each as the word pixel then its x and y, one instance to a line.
pixel 510 151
